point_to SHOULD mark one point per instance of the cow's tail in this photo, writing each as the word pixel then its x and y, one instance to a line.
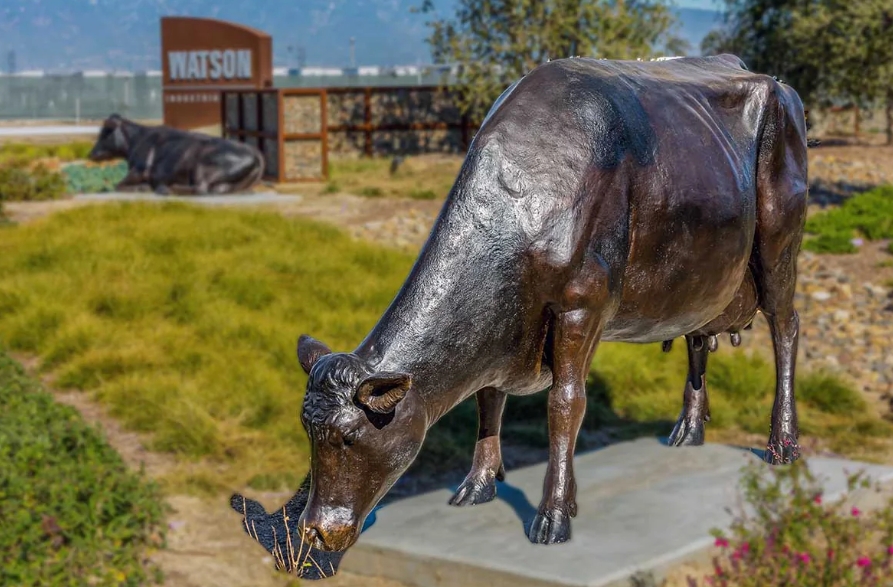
pixel 810 143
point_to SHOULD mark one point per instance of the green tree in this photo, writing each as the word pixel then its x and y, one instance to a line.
pixel 853 42
pixel 826 49
pixel 760 33
pixel 497 41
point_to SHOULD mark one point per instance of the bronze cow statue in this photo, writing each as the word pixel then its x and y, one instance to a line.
pixel 171 161
pixel 600 201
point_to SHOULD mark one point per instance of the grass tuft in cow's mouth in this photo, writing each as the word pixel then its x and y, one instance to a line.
pixel 279 534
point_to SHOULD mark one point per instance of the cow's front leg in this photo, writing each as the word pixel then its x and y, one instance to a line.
pixel 576 336
pixel 689 429
pixel 480 484
pixel 134 181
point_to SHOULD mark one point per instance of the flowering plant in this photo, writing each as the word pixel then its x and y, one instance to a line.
pixel 792 536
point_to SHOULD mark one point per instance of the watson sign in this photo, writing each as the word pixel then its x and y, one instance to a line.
pixel 205 65
pixel 202 56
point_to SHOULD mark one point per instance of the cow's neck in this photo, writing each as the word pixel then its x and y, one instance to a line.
pixel 132 132
pixel 445 325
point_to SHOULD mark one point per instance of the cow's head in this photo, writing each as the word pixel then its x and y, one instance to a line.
pixel 365 430
pixel 112 142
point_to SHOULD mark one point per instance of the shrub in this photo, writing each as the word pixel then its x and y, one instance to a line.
pixel 94 179
pixel 791 537
pixel 423 195
pixel 869 215
pixel 20 181
pixel 71 513
pixel 371 192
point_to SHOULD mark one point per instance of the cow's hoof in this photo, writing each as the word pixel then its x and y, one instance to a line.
pixel 474 491
pixel 688 431
pixel 550 527
pixel 782 449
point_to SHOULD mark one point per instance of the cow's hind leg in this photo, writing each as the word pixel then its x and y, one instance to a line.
pixel 689 429
pixel 781 214
pixel 777 289
pixel 480 484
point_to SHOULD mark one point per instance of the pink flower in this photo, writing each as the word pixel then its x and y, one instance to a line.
pixel 856 511
pixel 830 553
pixel 890 550
pixel 864 562
pixel 746 547
pixel 804 557
pixel 721 542
pixel 818 499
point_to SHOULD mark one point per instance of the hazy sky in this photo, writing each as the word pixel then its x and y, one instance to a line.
pixel 708 4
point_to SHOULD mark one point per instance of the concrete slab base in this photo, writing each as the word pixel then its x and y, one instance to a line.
pixel 217 200
pixel 642 506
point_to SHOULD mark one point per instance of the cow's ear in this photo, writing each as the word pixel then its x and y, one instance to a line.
pixel 309 351
pixel 381 392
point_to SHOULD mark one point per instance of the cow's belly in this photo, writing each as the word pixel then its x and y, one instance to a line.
pixel 683 273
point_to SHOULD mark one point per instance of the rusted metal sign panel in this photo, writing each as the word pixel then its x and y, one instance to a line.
pixel 203 56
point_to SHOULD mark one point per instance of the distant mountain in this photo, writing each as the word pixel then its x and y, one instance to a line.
pixel 124 34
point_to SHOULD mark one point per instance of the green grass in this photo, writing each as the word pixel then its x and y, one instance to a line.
pixel 71 513
pixel 184 320
pixel 868 215
pixel 71 151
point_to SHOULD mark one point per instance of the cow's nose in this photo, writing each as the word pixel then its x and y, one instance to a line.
pixel 313 537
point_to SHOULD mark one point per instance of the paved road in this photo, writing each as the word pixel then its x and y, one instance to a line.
pixel 32 131
pixel 224 200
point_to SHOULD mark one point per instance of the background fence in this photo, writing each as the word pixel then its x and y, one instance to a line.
pixel 296 129
pixel 138 96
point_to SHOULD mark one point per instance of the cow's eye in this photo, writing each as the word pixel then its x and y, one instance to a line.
pixel 350 437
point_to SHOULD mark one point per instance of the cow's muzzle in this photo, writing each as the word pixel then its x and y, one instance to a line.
pixel 328 532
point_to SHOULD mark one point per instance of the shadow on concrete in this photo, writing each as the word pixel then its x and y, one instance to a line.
pixel 515 498
pixel 447 453
pixel 760 453
pixel 446 456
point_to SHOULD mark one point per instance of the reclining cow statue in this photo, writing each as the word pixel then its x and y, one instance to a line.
pixel 600 201
pixel 172 161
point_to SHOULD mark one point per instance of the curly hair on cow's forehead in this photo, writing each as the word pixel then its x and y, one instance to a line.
pixel 332 384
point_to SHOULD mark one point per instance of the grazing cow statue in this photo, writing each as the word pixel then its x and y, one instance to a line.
pixel 600 201
pixel 172 161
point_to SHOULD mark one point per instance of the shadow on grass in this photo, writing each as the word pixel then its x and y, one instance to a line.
pixel 835 193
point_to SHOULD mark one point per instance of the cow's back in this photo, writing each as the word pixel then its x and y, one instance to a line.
pixel 638 163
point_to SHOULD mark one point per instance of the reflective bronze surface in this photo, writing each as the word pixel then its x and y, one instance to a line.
pixel 171 161
pixel 601 200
